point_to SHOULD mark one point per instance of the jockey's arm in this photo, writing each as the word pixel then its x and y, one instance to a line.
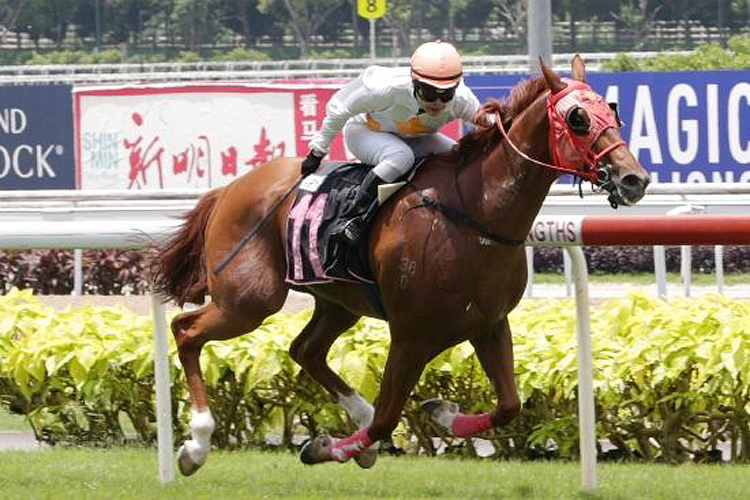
pixel 469 109
pixel 354 98
pixel 473 113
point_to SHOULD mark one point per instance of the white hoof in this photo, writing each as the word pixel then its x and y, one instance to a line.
pixel 186 463
pixel 442 412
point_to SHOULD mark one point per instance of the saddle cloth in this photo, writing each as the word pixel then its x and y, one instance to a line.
pixel 313 256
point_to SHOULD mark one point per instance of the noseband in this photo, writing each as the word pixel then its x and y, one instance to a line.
pixel 572 153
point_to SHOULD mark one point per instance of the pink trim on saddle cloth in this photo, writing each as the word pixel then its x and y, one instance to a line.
pixel 471 425
pixel 344 449
pixel 298 216
pixel 315 214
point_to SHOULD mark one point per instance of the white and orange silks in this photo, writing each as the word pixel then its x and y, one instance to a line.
pixel 383 124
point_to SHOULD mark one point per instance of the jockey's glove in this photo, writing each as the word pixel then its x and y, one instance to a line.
pixel 311 162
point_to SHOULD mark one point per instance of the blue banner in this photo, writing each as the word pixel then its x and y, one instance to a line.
pixel 683 126
pixel 36 137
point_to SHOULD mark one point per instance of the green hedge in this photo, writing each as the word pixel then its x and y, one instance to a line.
pixel 671 379
pixel 709 56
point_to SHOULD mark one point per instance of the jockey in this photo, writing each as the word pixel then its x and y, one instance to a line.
pixel 389 116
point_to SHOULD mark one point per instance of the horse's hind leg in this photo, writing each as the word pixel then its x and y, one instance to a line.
pixel 310 349
pixel 405 364
pixel 494 348
pixel 192 330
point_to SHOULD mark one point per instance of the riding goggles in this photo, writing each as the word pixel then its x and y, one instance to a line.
pixel 428 93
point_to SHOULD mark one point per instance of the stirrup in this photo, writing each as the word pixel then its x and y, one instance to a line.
pixel 352 231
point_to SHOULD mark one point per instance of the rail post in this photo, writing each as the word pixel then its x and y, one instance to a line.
pixel 586 416
pixel 162 380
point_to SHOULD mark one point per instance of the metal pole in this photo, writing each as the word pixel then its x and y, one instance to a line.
pixel 164 434
pixel 372 39
pixel 586 417
pixel 719 263
pixel 530 271
pixel 660 270
pixel 78 272
pixel 686 267
pixel 539 33
pixel 97 25
pixel 568 277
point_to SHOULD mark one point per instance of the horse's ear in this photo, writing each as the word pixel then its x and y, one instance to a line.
pixel 579 69
pixel 554 82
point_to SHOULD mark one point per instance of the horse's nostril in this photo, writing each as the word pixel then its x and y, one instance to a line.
pixel 633 181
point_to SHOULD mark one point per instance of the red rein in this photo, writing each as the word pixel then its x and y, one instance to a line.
pixel 572 153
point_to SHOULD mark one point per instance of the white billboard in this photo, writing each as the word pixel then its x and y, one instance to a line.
pixel 183 136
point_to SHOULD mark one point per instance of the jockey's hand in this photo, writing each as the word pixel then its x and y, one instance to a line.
pixel 311 163
pixel 485 117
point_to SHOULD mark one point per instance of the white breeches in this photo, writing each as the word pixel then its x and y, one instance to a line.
pixel 392 155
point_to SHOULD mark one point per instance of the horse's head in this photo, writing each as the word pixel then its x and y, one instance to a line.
pixel 585 137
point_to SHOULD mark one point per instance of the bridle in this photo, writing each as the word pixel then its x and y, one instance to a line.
pixel 572 152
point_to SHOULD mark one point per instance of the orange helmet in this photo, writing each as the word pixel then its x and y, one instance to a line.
pixel 437 63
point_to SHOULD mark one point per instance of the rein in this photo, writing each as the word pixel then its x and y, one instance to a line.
pixel 595 173
pixel 457 216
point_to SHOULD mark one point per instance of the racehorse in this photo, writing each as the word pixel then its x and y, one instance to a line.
pixel 446 253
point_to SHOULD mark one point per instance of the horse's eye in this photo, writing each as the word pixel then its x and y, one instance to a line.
pixel 578 121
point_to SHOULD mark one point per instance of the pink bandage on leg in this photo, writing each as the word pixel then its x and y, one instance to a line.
pixel 470 425
pixel 345 449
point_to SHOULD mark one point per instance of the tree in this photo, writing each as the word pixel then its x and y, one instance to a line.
pixel 244 18
pixel 197 21
pixel 398 17
pixel 9 10
pixel 305 18
pixel 513 15
pixel 683 10
pixel 638 17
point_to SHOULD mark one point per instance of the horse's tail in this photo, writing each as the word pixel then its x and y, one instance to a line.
pixel 179 271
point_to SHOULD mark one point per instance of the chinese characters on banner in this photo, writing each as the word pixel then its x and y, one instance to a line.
pixel 179 136
pixel 194 136
pixel 310 110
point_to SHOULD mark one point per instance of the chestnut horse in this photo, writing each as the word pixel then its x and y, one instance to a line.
pixel 443 278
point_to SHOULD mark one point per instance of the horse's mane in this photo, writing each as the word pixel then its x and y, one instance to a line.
pixel 483 138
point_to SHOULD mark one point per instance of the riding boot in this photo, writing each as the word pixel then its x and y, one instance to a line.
pixel 356 216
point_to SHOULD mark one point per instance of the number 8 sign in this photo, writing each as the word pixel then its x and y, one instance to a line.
pixel 371 9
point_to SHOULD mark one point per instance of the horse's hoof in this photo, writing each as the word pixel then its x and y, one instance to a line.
pixel 367 458
pixel 317 450
pixel 442 412
pixel 432 406
pixel 185 463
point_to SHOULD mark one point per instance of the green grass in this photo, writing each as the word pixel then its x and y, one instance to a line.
pixel 129 473
pixel 11 422
pixel 647 279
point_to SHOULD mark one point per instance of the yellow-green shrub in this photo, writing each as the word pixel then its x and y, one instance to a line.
pixel 671 378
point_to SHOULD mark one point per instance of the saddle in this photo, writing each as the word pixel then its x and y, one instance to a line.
pixel 313 256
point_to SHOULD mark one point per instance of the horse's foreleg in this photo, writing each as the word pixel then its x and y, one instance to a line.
pixel 192 330
pixel 494 348
pixel 495 352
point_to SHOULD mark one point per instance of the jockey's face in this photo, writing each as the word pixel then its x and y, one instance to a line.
pixel 431 99
pixel 431 108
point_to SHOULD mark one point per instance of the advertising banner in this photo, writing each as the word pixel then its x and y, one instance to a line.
pixel 684 126
pixel 36 137
pixel 195 136
pixel 191 136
